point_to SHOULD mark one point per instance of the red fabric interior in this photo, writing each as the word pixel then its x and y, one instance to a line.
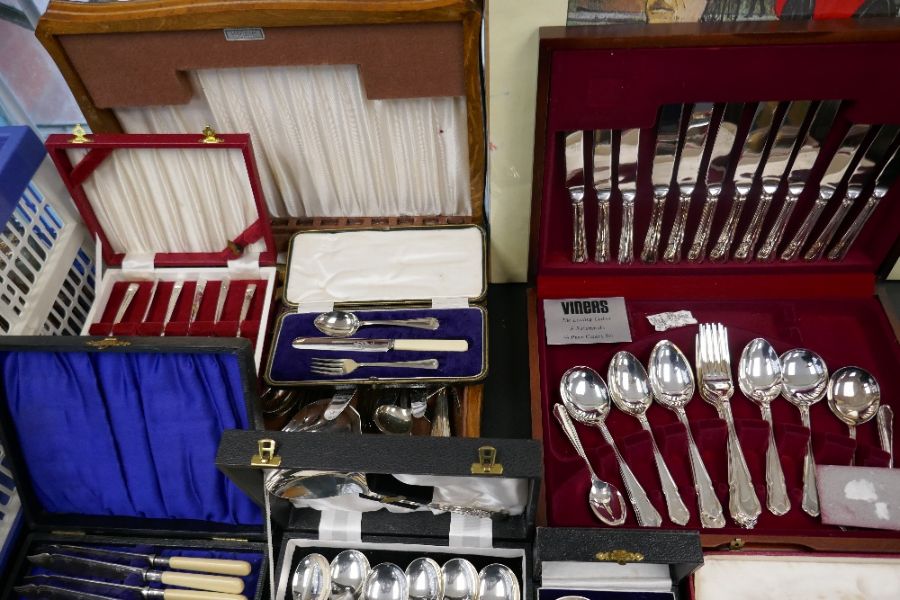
pixel 826 306
pixel 133 322
pixel 101 146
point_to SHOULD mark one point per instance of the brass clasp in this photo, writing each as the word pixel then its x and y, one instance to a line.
pixel 210 137
pixel 108 342
pixel 487 462
pixel 620 556
pixel 266 459
pixel 80 135
pixel 736 544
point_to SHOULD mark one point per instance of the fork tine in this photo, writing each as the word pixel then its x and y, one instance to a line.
pixel 324 361
pixel 320 371
pixel 726 355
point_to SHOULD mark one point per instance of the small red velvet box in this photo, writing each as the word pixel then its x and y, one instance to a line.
pixel 181 220
pixel 618 77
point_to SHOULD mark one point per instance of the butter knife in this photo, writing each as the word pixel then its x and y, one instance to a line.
pixel 799 175
pixel 603 188
pixel 689 175
pixel 834 173
pixel 130 291
pixel 773 173
pixel 719 160
pixel 173 300
pixel 575 186
pixel 627 175
pixel 882 184
pixel 245 306
pixel 667 130
pixel 220 303
pixel 744 176
pixel 861 175
pixel 379 345
pixel 198 298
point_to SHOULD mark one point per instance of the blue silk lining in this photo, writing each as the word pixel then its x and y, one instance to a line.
pixel 128 434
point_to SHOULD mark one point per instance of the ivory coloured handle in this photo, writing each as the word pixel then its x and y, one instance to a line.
pixel 173 594
pixel 221 566
pixel 432 345
pixel 213 583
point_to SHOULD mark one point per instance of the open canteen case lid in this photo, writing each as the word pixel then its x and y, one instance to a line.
pixel 408 150
pixel 119 436
pixel 619 77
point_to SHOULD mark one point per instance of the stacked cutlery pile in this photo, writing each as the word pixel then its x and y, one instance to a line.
pixel 697 148
pixel 799 375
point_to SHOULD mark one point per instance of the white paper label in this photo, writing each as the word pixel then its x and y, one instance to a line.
pixel 244 34
pixel 586 321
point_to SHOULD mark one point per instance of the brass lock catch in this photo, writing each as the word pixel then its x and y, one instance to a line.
pixel 267 458
pixel 620 556
pixel 487 462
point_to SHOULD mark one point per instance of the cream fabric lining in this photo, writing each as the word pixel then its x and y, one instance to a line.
pixel 152 200
pixel 322 148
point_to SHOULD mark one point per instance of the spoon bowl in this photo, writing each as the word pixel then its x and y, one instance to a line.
pixel 311 579
pixel 853 396
pixel 460 580
pixel 759 372
pixel 805 377
pixel 671 378
pixel 349 570
pixel 498 582
pixel 425 579
pixel 392 419
pixel 585 395
pixel 629 385
pixel 314 418
pixel 385 581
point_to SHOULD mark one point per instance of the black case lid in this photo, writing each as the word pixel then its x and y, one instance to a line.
pixel 112 354
pixel 376 454
pixel 681 550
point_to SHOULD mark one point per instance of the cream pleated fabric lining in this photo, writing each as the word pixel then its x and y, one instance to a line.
pixel 324 149
pixel 153 200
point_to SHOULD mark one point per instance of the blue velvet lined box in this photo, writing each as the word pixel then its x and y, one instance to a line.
pixel 119 436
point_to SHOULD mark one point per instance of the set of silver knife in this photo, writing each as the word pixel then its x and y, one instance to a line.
pixel 93 573
pixel 697 149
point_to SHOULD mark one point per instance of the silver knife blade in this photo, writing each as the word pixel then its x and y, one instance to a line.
pixel 150 301
pixel 51 592
pixel 603 189
pixel 86 588
pixel 667 130
pixel 745 174
pixel 76 565
pixel 629 143
pixel 198 298
pixel 834 173
pixel 575 184
pixel 220 303
pixel 803 164
pixel 343 344
pixel 719 159
pixel 773 173
pixel 126 302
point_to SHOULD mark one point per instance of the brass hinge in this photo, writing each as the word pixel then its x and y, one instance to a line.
pixel 267 458
pixel 108 342
pixel 80 135
pixel 620 556
pixel 210 137
pixel 487 462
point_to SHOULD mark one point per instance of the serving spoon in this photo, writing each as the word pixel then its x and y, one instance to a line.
pixel 339 323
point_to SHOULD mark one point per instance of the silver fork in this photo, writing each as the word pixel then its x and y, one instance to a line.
pixel 345 366
pixel 717 387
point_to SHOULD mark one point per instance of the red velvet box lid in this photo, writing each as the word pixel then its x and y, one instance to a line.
pixel 99 147
pixel 618 77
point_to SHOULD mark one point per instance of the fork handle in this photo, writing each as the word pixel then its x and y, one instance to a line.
pixel 743 504
pixel 430 363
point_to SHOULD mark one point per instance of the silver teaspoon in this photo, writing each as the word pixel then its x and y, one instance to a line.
pixel 805 378
pixel 629 388
pixel 605 499
pixel 759 376
pixel 672 382
pixel 349 570
pixel 853 396
pixel 498 582
pixel 460 580
pixel 586 399
pixel 338 323
pixel 312 578
pixel 425 580
pixel 385 581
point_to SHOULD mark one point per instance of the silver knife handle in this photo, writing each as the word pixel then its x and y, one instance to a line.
pixel 579 242
pixel 676 236
pixel 701 238
pixel 744 251
pixel 885 422
pixel 770 246
pixel 602 251
pixel 817 249
pixel 793 249
pixel 651 241
pixel 720 251
pixel 839 251
pixel 626 237
pixel 245 306
pixel 126 302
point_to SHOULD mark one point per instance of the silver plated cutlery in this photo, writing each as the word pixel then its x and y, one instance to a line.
pixel 220 301
pixel 173 301
pixel 249 293
pixel 627 178
pixel 885 422
pixel 603 186
pixel 379 345
pixel 345 366
pixel 130 291
pixel 575 185
pixel 198 298
pixel 339 323
pixel 667 130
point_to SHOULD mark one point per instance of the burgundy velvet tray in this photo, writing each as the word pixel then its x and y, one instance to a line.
pixel 618 77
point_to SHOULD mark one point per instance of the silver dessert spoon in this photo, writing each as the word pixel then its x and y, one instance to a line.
pixel 311 579
pixel 425 580
pixel 759 377
pixel 498 582
pixel 586 398
pixel 805 378
pixel 629 388
pixel 605 499
pixel 853 396
pixel 672 382
pixel 349 570
pixel 385 581
pixel 338 323
pixel 460 580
